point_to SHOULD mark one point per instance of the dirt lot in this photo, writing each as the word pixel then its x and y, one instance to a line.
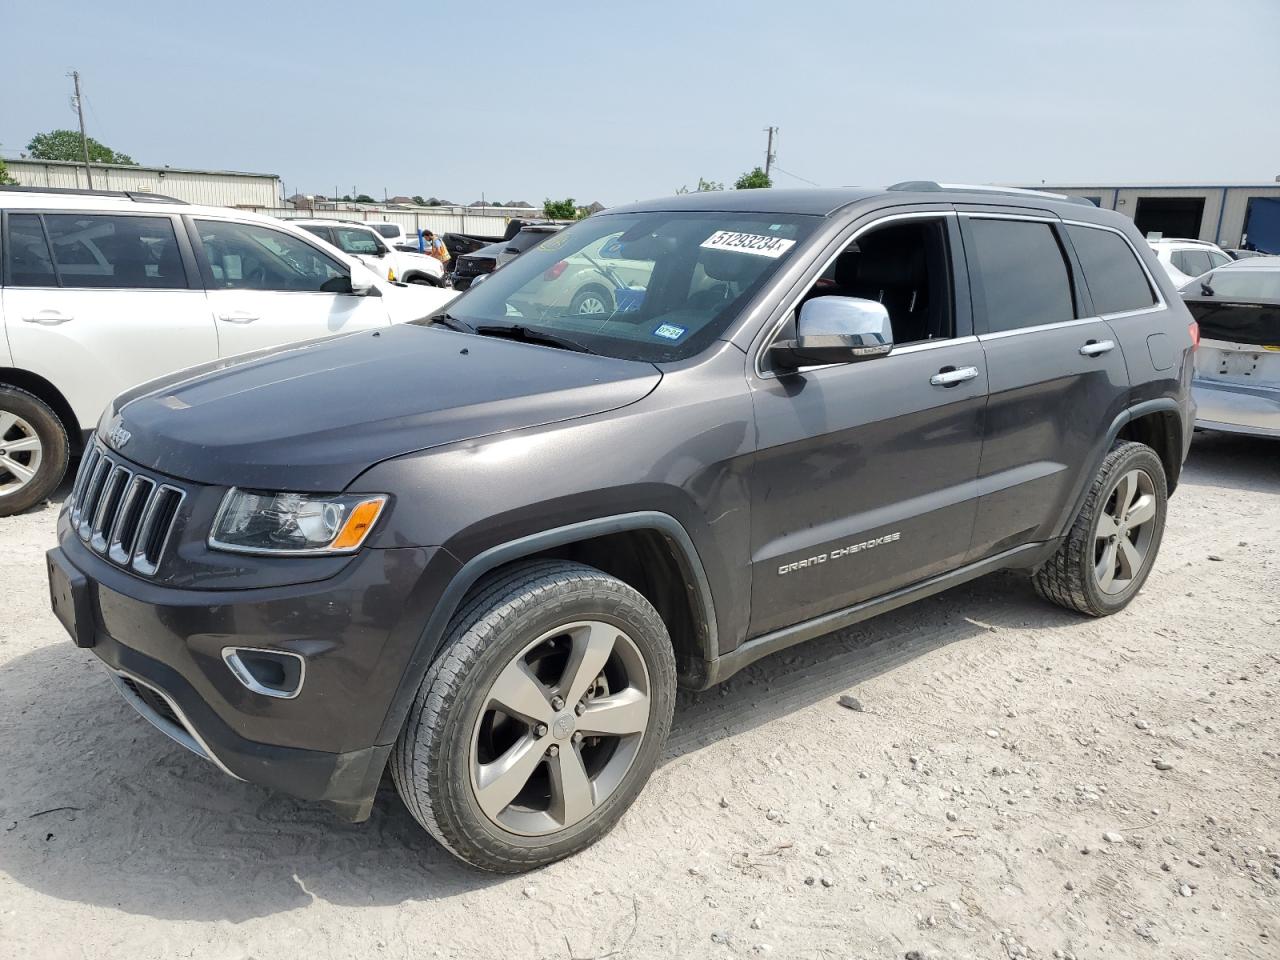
pixel 998 797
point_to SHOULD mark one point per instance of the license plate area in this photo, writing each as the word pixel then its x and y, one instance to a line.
pixel 69 596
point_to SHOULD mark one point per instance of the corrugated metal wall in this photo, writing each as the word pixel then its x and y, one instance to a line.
pixel 1225 208
pixel 482 224
pixel 213 188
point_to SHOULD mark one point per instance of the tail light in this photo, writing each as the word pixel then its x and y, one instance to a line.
pixel 555 271
pixel 1194 330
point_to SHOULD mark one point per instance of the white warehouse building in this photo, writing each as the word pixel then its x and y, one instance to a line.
pixel 217 188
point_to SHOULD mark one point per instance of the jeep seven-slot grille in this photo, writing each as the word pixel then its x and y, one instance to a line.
pixel 122 514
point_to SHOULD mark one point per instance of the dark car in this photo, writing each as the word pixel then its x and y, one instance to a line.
pixel 483 551
pixel 495 255
pixel 1237 381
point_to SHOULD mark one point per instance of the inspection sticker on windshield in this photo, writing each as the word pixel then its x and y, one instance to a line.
pixel 669 331
pixel 760 245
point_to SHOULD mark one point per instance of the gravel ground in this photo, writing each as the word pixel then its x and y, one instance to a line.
pixel 1019 782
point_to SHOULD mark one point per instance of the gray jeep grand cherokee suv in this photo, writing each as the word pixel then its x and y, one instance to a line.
pixel 484 550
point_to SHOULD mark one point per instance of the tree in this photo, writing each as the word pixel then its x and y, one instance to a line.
pixel 417 198
pixel 365 198
pixel 65 145
pixel 5 179
pixel 754 180
pixel 704 186
pixel 560 209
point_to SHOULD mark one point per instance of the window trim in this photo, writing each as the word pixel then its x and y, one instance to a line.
pixel 959 272
pixel 189 265
pixel 206 269
pixel 1081 303
pixel 1151 280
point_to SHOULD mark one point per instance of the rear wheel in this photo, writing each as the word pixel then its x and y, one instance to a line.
pixel 1112 545
pixel 542 718
pixel 34 450
pixel 591 300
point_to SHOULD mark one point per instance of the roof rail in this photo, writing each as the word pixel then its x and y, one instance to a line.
pixel 932 186
pixel 134 195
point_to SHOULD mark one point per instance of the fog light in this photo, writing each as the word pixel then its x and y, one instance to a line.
pixel 271 673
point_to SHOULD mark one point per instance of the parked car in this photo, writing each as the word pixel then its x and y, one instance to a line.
pixel 483 551
pixel 102 291
pixel 596 280
pixel 368 246
pixel 1237 253
pixel 488 259
pixel 393 233
pixel 1184 260
pixel 1237 374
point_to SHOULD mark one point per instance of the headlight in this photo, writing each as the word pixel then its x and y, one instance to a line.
pixel 256 521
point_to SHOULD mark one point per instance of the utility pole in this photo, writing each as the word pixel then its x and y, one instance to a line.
pixel 769 155
pixel 84 142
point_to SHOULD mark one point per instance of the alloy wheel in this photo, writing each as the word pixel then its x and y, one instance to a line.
pixel 559 728
pixel 591 305
pixel 21 453
pixel 1124 531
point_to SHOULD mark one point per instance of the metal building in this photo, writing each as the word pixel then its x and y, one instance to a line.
pixel 218 188
pixel 1230 215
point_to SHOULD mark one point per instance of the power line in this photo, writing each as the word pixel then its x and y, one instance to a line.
pixel 796 176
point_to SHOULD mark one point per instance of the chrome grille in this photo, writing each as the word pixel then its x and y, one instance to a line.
pixel 122 514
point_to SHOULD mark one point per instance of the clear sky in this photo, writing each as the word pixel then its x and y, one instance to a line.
pixel 616 101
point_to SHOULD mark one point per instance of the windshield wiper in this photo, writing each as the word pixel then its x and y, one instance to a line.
pixel 523 334
pixel 451 322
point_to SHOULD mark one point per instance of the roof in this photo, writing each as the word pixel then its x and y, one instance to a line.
pixel 1149 185
pixel 138 167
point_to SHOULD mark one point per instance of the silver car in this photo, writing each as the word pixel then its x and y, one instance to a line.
pixel 1237 378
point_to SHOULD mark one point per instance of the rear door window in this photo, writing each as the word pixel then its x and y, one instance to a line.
pixel 356 242
pixel 1019 273
pixel 1117 283
pixel 99 251
pixel 1192 262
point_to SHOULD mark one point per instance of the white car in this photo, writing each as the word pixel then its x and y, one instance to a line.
pixel 101 292
pixel 1184 260
pixel 365 244
pixel 393 233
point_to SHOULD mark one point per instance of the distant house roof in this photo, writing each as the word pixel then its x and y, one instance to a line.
pixel 521 204
pixel 595 207
pixel 403 200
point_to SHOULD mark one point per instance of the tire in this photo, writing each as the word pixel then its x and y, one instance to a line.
pixel 536 617
pixel 30 434
pixel 1076 576
pixel 424 280
pixel 591 294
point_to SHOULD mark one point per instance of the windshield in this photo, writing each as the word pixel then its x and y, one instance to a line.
pixel 643 286
pixel 387 229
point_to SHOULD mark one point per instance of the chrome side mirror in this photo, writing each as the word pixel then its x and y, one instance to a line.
pixel 836 330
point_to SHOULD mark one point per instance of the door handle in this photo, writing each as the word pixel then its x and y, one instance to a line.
pixel 1095 347
pixel 953 376
pixel 48 318
pixel 237 316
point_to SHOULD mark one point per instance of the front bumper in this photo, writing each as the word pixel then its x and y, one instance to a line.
pixel 1237 407
pixel 356 632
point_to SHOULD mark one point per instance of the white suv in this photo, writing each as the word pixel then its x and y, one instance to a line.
pixel 101 292
pixel 376 252
pixel 1184 260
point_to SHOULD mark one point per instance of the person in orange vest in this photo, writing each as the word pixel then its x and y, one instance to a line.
pixel 433 246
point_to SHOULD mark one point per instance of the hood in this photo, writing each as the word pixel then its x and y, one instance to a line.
pixel 314 417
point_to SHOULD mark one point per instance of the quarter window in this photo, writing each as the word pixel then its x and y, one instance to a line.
pixel 1020 274
pixel 1115 278
pixel 1192 262
pixel 244 256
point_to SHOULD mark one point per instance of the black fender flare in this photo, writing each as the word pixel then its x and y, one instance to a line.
pixel 432 638
pixel 1158 405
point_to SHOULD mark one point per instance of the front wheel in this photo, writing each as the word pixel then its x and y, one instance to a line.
pixel 1112 545
pixel 34 450
pixel 541 719
pixel 591 301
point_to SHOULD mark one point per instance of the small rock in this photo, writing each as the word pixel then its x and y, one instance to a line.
pixel 1166 866
pixel 1011 713
pixel 724 804
pixel 1215 558
pixel 1194 862
pixel 918 887
pixel 951 815
pixel 851 703
pixel 1142 725
pixel 993 734
pixel 1112 837
pixel 757 923
pixel 1162 764
pixel 1185 890
pixel 695 872
pixel 828 882
pixel 530 892
pixel 810 881
pixel 1069 885
pixel 913 955
pixel 823 850
pixel 773 815
pixel 719 936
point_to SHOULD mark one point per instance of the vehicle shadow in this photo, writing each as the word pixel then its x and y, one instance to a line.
pixel 97 807
pixel 1234 460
